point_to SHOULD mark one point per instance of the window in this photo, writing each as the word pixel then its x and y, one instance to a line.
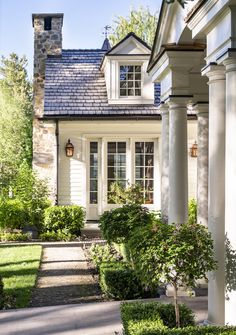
pixel 130 80
pixel 93 173
pixel 116 164
pixel 144 169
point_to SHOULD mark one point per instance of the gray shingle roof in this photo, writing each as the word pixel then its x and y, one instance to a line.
pixel 74 86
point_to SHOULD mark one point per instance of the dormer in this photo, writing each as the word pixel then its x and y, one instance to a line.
pixel 124 67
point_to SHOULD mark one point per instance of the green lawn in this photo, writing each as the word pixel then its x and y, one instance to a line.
pixel 19 267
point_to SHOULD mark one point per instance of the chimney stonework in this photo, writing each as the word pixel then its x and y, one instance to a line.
pixel 46 42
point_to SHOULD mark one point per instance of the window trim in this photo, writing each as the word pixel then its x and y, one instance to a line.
pixel 130 97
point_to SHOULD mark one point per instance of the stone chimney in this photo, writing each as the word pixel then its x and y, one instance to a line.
pixel 47 41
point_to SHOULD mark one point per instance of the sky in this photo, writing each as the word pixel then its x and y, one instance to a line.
pixel 84 22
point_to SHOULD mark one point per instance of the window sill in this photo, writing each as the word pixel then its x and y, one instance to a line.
pixel 131 101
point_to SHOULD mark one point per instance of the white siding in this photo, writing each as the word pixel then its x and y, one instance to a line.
pixel 72 171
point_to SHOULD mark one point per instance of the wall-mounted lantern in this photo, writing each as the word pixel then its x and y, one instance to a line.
pixel 69 148
pixel 194 150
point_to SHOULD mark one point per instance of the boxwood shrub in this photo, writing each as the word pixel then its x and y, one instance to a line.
pixel 69 219
pixel 149 328
pixel 13 215
pixel 118 281
pixel 152 316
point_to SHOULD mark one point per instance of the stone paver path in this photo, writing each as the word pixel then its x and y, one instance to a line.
pixel 64 278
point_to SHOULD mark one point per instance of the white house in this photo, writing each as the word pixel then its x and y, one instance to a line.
pixel 194 59
pixel 104 103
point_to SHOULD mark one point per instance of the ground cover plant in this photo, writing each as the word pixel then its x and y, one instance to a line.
pixel 18 269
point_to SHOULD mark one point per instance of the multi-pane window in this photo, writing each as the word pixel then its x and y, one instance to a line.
pixel 130 80
pixel 93 173
pixel 116 164
pixel 144 169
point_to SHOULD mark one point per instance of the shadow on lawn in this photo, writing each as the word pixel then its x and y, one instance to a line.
pixel 20 272
pixel 19 262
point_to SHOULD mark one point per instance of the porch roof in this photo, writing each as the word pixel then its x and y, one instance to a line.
pixel 75 87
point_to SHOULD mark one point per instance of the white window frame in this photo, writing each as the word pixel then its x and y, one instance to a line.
pixel 129 97
pixel 134 80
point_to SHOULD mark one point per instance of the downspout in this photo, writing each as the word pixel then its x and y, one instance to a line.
pixel 57 161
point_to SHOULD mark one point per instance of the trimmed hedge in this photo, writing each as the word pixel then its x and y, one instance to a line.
pixel 138 317
pixel 118 281
pixel 13 215
pixel 145 328
pixel 154 318
pixel 66 219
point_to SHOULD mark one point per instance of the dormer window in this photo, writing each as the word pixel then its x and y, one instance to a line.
pixel 130 80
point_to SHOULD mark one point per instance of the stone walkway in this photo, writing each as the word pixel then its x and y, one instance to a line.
pixel 64 278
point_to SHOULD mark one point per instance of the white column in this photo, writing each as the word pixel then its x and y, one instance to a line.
pixel 230 191
pixel 178 161
pixel 164 110
pixel 202 162
pixel 216 189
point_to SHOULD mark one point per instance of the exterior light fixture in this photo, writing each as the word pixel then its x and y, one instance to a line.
pixel 193 150
pixel 69 148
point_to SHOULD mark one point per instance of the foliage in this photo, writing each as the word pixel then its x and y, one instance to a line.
pixel 19 267
pixel 117 224
pixel 103 253
pixel 141 317
pixel 59 235
pixel 175 254
pixel 69 219
pixel 119 281
pixel 19 237
pixel 33 193
pixel 139 21
pixel 16 110
pixel 192 211
pixel 126 195
pixel 1 293
pixel 12 214
pixel 151 328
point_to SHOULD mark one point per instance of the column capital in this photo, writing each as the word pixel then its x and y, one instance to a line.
pixel 179 101
pixel 163 108
pixel 230 64
pixel 214 72
pixel 201 109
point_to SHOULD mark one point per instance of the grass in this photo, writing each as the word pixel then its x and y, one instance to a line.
pixel 18 268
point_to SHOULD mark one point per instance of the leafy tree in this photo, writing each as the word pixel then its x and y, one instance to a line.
pixel 32 192
pixel 175 254
pixel 16 112
pixel 139 21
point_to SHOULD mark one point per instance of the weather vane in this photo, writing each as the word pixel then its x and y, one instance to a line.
pixel 106 28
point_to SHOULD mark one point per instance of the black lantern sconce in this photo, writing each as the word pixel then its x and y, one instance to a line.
pixel 194 150
pixel 69 148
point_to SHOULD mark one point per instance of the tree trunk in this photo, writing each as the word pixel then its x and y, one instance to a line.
pixel 177 318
